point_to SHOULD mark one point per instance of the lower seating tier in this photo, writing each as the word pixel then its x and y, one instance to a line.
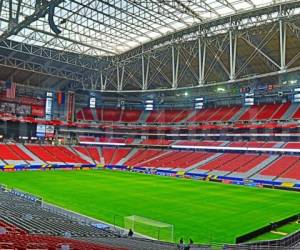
pixel 246 164
pixel 41 242
pixel 28 225
pixel 55 154
pixel 284 166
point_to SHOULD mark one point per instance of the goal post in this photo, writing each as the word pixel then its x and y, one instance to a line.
pixel 148 227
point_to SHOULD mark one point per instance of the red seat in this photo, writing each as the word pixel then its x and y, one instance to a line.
pixel 219 162
pixel 6 153
pixel 19 152
pixel 91 152
pixel 130 115
pixel 296 115
pixel 279 166
pixel 55 154
pixel 20 239
pixel 87 114
pixel 156 142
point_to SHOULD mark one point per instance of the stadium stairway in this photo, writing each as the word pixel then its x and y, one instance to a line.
pixel 195 167
pixel 102 160
pixel 238 114
pixel 136 141
pixel 144 117
pixel 42 154
pixel 279 145
pixel 58 154
pixel 255 169
pixel 94 114
pixel 83 152
pixel 119 154
pixel 213 166
pixel 254 174
pixel 154 157
pixel 224 143
pixel 291 173
pixel 128 156
pixel 9 156
pixel 26 158
pixel 36 160
pixel 231 166
pixel 190 115
pixel 121 115
pixel 2 162
pixel 291 111
pixel 81 155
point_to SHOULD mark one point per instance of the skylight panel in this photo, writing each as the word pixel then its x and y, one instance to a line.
pixel 242 6
pixel 121 25
pixel 225 11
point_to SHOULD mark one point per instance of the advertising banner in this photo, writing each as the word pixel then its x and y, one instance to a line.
pixel 40 130
pixel 49 131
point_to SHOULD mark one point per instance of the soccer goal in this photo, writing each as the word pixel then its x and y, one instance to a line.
pixel 152 228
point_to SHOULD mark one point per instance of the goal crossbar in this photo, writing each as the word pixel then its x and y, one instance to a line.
pixel 154 229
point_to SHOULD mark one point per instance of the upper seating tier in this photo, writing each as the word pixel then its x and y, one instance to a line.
pixel 167 116
pixel 265 112
pixel 258 112
pixel 109 115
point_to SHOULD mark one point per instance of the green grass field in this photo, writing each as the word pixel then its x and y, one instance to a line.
pixel 206 212
pixel 286 229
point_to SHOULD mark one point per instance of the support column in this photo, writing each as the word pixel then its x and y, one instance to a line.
pixel 175 65
pixel 120 77
pixel 201 60
pixel 145 71
pixel 102 85
pixel 232 53
pixel 282 39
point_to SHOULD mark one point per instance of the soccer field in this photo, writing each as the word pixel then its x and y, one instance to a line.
pixel 204 211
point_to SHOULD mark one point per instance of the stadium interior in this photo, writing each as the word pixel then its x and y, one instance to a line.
pixel 202 90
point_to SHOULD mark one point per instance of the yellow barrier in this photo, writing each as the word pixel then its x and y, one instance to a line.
pixel 9 166
pixel 288 184
pixel 180 173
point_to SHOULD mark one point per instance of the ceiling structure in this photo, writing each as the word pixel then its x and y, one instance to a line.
pixel 112 27
pixel 146 45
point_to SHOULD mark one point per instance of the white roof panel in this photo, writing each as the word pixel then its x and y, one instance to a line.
pixel 107 27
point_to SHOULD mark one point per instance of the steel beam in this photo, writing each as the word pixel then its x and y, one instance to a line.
pixel 282 35
pixel 175 65
pixel 232 53
pixel 40 69
pixel 145 72
pixel 40 11
pixel 201 60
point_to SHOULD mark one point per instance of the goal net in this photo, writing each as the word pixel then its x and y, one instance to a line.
pixel 148 227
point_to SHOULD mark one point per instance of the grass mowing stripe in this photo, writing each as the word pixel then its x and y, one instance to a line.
pixel 204 211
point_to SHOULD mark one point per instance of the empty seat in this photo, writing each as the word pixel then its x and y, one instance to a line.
pixel 156 142
pixel 19 152
pixel 55 154
pixel 130 115
pixel 219 162
pixel 279 166
pixel 87 114
pixel 6 153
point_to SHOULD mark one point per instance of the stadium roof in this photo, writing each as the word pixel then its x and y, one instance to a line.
pixel 112 27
